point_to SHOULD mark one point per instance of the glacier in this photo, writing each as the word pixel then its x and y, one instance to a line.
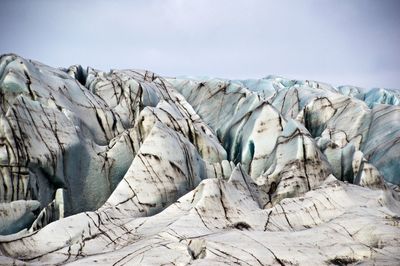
pixel 129 167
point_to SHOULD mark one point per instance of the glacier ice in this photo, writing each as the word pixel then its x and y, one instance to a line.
pixel 128 167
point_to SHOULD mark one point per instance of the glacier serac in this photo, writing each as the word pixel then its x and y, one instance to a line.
pixel 129 167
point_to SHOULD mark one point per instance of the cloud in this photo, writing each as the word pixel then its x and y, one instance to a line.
pixel 335 41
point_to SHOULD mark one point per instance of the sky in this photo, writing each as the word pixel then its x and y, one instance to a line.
pixel 342 42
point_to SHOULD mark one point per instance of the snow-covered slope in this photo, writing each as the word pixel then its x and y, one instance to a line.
pixel 127 167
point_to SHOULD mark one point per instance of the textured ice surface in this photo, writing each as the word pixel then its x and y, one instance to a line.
pixel 127 167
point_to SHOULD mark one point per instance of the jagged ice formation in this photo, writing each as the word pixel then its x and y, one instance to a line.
pixel 128 167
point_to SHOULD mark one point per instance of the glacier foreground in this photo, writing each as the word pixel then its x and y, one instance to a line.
pixel 128 167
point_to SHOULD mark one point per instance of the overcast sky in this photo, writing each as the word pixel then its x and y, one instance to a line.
pixel 339 42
